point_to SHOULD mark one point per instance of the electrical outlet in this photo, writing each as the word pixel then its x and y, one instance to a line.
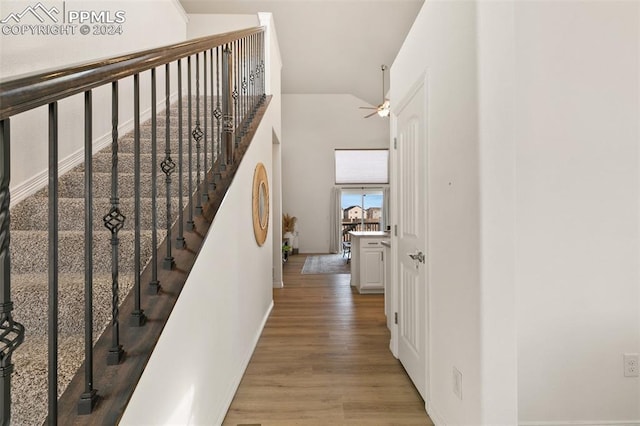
pixel 457 383
pixel 631 367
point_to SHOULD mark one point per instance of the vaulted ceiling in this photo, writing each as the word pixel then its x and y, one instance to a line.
pixel 330 47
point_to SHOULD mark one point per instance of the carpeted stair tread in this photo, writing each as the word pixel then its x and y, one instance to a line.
pixel 126 160
pixel 72 185
pixel 29 214
pixel 31 290
pixel 126 145
pixel 29 379
pixel 29 250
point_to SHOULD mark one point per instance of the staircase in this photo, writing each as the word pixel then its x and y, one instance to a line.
pixel 230 69
pixel 29 238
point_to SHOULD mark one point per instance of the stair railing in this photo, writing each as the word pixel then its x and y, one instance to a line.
pixel 236 82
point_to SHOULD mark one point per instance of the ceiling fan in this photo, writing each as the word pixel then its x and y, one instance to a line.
pixel 384 108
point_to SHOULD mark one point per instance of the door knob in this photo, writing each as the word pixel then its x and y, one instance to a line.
pixel 419 256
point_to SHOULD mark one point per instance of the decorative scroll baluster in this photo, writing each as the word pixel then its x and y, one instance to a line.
pixel 11 332
pixel 53 265
pixel 114 221
pixel 212 185
pixel 168 166
pixel 204 189
pixel 90 396
pixel 154 285
pixel 180 241
pixel 190 223
pixel 197 136
pixel 138 318
pixel 227 105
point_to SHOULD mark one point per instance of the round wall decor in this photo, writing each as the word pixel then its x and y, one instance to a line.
pixel 260 204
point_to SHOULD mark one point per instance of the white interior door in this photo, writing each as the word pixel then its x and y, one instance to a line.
pixel 412 263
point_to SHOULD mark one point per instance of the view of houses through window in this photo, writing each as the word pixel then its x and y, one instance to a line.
pixel 361 210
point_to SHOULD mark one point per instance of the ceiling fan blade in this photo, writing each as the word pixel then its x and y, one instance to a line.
pixel 368 108
pixel 372 114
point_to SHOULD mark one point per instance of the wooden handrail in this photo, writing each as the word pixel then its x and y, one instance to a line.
pixel 26 92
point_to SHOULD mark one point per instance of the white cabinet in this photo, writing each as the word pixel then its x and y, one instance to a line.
pixel 367 261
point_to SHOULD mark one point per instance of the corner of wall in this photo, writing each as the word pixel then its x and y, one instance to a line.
pixel 180 10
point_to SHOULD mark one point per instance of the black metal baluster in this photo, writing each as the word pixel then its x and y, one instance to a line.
pixel 260 81
pixel 227 105
pixel 256 70
pixel 204 188
pixel 53 266
pixel 263 91
pixel 250 58
pixel 90 396
pixel 243 65
pixel 154 285
pixel 212 185
pixel 263 68
pixel 197 135
pixel 252 77
pixel 236 90
pixel 180 241
pixel 190 223
pixel 221 150
pixel 114 221
pixel 11 332
pixel 138 318
pixel 168 166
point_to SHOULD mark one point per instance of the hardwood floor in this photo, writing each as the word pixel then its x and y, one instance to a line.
pixel 324 359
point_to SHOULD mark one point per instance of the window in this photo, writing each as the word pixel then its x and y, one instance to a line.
pixel 362 166
pixel 361 210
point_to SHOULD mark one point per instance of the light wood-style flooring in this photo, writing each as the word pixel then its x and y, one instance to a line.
pixel 324 359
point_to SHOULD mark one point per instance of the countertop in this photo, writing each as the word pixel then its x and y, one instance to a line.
pixel 369 233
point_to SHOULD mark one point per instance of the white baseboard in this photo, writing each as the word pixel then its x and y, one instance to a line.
pixel 438 420
pixel 435 416
pixel 40 180
pixel 278 284
pixel 233 385
pixel 582 423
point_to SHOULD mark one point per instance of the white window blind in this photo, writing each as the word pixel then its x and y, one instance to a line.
pixel 362 166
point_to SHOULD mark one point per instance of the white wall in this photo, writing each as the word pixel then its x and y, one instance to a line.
pixel 577 221
pixel 204 24
pixel 556 298
pixel 220 313
pixel 20 54
pixel 496 126
pixel 442 43
pixel 313 126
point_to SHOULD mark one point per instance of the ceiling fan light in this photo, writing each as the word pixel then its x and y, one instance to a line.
pixel 383 113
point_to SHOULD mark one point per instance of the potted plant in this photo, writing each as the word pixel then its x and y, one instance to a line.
pixel 288 229
pixel 286 249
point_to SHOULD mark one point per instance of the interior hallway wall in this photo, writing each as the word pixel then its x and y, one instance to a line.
pixel 313 126
pixel 578 216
